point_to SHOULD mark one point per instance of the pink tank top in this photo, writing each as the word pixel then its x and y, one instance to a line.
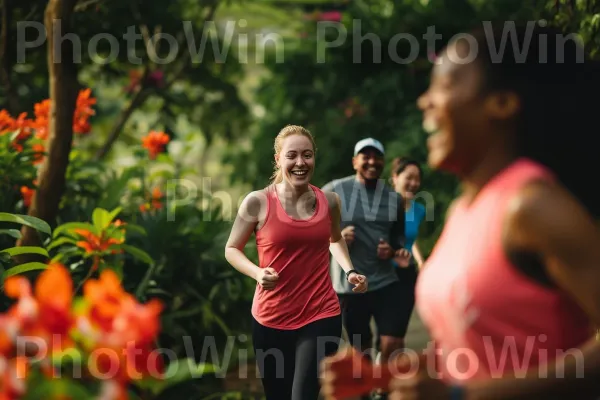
pixel 299 251
pixel 488 319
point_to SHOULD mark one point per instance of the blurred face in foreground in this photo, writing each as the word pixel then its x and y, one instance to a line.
pixel 463 120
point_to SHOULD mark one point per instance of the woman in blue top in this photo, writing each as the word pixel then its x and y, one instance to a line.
pixel 406 180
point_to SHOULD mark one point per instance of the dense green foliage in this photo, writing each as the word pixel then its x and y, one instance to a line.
pixel 221 117
pixel 363 88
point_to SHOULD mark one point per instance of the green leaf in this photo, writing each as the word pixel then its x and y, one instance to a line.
pixel 14 135
pixel 135 228
pixel 69 226
pixel 27 220
pixel 138 253
pixel 22 268
pixel 55 388
pixel 101 218
pixel 177 372
pixel 12 232
pixel 60 241
pixel 113 214
pixel 68 356
pixel 18 250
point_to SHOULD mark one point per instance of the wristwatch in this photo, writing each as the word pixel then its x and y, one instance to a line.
pixel 352 271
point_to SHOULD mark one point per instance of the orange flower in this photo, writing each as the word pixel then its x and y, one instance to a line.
pixel 13 374
pixel 27 194
pixel 39 153
pixel 41 112
pixel 124 329
pixel 155 201
pixel 117 313
pixel 83 112
pixel 94 243
pixel 119 223
pixel 155 142
pixel 23 126
pixel 47 311
pixel 54 291
pixel 6 122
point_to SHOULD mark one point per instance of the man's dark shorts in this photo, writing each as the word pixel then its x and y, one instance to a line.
pixel 390 306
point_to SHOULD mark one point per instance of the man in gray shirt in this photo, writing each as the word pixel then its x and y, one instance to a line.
pixel 373 225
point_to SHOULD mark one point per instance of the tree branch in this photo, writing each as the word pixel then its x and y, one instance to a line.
pixel 143 93
pixel 138 99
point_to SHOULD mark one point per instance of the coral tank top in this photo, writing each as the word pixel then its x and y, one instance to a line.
pixel 486 318
pixel 299 251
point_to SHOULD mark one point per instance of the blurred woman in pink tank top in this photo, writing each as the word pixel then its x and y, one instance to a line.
pixel 511 291
pixel 296 313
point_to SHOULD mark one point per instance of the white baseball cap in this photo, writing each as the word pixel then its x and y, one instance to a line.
pixel 368 142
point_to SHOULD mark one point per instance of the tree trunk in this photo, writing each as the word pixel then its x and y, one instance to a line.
pixel 63 96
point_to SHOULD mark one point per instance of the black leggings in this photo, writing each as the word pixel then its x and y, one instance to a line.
pixel 288 360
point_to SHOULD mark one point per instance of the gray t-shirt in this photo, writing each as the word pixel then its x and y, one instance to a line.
pixel 375 213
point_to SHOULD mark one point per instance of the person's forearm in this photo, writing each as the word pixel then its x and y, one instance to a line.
pixel 339 251
pixel 576 375
pixel 239 261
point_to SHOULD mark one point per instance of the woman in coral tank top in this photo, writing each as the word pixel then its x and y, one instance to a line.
pixel 295 309
pixel 512 288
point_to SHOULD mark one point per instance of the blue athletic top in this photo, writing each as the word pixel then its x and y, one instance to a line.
pixel 414 217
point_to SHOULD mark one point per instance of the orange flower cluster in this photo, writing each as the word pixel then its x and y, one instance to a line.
pixel 83 112
pixel 27 194
pixel 156 201
pixel 122 328
pixel 109 240
pixel 20 125
pixel 97 244
pixel 25 126
pixel 155 142
pixel 109 323
pixel 24 129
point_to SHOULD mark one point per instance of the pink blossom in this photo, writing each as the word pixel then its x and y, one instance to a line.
pixel 330 16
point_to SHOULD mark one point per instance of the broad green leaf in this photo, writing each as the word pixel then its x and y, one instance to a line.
pixel 113 214
pixel 27 220
pixel 60 241
pixel 11 232
pixel 135 228
pixel 67 356
pixel 18 250
pixel 101 218
pixel 58 388
pixel 138 253
pixel 69 226
pixel 22 268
